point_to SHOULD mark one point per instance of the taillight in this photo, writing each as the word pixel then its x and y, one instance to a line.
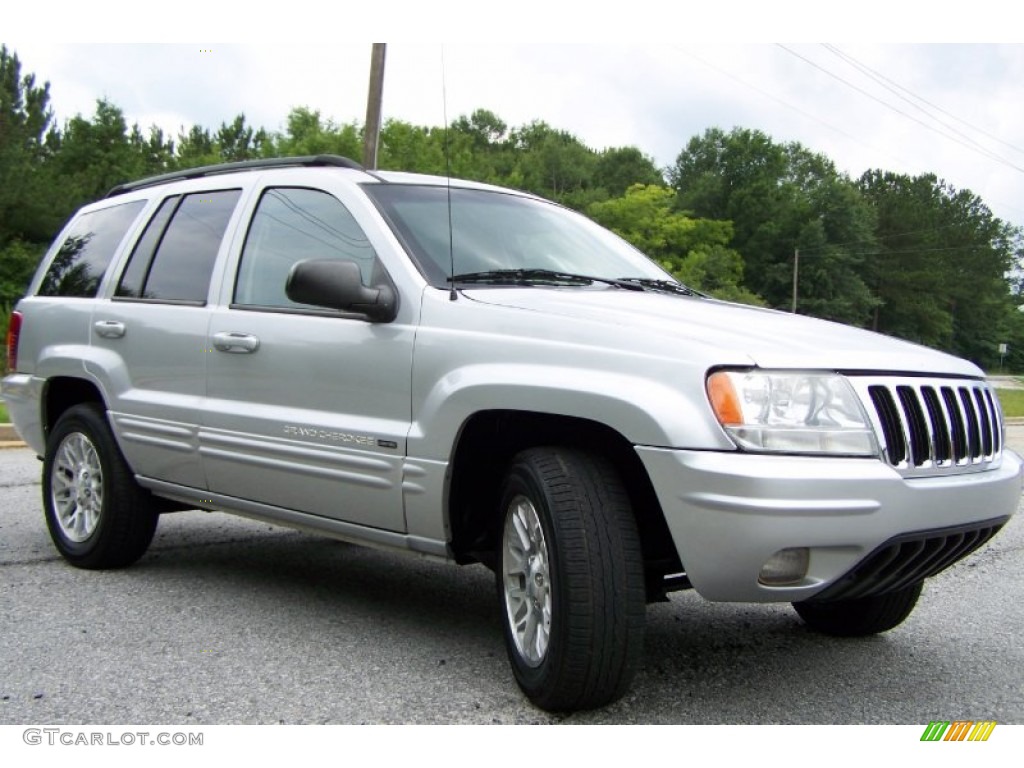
pixel 13 331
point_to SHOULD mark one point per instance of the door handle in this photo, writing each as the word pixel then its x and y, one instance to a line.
pixel 109 329
pixel 239 343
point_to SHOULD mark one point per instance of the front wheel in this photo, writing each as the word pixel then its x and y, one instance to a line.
pixel 861 616
pixel 570 579
pixel 97 515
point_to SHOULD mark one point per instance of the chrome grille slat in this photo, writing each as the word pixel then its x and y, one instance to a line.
pixel 997 443
pixel 914 424
pixel 891 434
pixel 959 430
pixel 971 418
pixel 986 425
pixel 933 426
pixel 941 444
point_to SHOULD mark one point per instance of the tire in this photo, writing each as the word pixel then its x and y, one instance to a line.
pixel 570 579
pixel 97 515
pixel 862 616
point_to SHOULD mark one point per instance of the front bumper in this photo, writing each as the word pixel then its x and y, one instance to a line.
pixel 729 513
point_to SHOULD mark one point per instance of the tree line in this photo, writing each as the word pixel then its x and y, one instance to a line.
pixel 909 256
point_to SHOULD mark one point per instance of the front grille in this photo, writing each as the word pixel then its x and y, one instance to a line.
pixel 934 426
pixel 906 560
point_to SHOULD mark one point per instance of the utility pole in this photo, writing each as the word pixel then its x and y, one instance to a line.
pixel 373 102
pixel 796 271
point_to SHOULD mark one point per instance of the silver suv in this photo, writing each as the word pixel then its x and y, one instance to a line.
pixel 478 375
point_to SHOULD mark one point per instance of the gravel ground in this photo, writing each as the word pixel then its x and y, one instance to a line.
pixel 230 621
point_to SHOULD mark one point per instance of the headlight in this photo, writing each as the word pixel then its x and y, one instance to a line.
pixel 791 412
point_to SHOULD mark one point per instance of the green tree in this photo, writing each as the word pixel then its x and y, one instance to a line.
pixel 195 148
pixel 407 147
pixel 834 227
pixel 694 250
pixel 554 164
pixel 485 130
pixel 1011 323
pixel 737 177
pixel 28 217
pixel 18 261
pixel 619 168
pixel 25 146
pixel 943 265
pixel 482 149
pixel 308 134
pixel 781 198
pixel 238 141
pixel 94 155
pixel 155 151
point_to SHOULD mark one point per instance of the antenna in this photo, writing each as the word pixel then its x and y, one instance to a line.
pixel 448 173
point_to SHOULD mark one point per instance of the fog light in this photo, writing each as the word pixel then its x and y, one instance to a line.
pixel 787 566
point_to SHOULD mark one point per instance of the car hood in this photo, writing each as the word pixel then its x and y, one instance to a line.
pixel 730 334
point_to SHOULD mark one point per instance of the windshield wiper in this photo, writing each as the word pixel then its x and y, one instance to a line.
pixel 554 277
pixel 535 276
pixel 668 286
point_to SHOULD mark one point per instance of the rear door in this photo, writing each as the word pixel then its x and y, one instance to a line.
pixel 155 330
pixel 307 409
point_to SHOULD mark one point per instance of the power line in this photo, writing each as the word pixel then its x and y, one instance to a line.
pixel 888 85
pixel 813 251
pixel 775 98
pixel 817 119
pixel 933 129
pixel 832 127
pixel 879 77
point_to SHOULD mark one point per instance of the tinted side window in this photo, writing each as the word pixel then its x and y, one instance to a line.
pixel 134 276
pixel 289 225
pixel 85 254
pixel 183 262
pixel 173 260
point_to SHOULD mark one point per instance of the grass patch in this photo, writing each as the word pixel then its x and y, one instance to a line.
pixel 1012 401
pixel 4 418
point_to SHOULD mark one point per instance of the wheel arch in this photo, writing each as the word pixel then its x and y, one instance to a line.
pixel 63 392
pixel 486 444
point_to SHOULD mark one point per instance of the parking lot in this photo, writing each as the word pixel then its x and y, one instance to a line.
pixel 231 621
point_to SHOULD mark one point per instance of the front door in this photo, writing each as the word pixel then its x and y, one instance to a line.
pixel 307 409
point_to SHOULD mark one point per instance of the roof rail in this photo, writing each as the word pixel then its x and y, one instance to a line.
pixel 308 161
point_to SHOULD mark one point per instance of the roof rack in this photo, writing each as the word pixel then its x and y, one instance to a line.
pixel 307 161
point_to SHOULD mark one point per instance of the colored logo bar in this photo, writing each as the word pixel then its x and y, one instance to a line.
pixel 958 730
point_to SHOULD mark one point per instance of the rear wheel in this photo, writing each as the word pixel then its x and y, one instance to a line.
pixel 570 579
pixel 862 616
pixel 97 515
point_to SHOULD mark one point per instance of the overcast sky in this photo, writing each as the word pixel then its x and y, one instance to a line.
pixel 954 109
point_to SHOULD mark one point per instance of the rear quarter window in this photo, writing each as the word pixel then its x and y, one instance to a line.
pixel 87 250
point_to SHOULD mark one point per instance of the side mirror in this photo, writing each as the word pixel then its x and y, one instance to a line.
pixel 339 285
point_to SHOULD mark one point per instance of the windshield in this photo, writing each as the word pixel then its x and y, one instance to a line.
pixel 493 231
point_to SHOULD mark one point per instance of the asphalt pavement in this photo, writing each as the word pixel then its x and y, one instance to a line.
pixel 231 621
